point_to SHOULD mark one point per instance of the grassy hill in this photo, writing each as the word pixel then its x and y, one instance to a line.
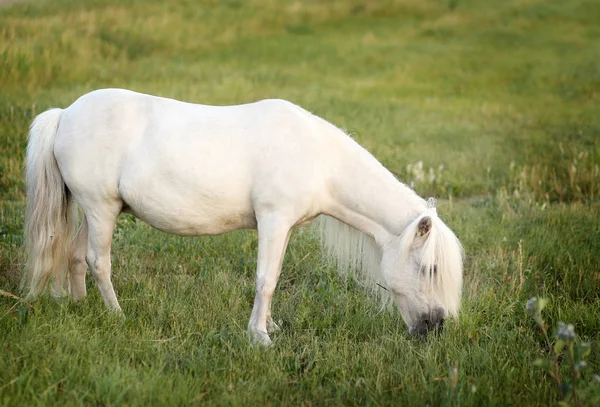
pixel 492 106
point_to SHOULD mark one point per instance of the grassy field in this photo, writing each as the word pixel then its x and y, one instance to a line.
pixel 492 106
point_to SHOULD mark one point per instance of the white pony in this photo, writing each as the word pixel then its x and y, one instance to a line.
pixel 193 169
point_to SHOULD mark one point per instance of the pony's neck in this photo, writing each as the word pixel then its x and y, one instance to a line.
pixel 369 198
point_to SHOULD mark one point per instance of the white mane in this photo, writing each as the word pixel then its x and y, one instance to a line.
pixel 441 252
pixel 355 254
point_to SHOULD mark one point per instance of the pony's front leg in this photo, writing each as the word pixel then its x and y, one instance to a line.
pixel 271 324
pixel 273 236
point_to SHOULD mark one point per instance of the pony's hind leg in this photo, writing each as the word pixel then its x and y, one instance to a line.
pixel 78 264
pixel 101 224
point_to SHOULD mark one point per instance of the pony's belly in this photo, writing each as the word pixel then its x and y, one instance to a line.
pixel 187 208
pixel 185 222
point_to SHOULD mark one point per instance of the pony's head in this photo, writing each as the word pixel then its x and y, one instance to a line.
pixel 423 269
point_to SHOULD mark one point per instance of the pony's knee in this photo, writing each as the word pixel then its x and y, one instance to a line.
pixel 78 264
pixel 265 286
pixel 91 260
pixel 99 265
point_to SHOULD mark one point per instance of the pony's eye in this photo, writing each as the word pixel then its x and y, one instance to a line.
pixel 432 270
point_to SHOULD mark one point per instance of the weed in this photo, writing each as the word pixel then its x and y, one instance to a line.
pixel 568 386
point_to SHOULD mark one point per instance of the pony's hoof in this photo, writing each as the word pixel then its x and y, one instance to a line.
pixel 259 338
pixel 117 314
pixel 272 326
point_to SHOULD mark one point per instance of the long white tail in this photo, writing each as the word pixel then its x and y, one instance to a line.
pixel 50 219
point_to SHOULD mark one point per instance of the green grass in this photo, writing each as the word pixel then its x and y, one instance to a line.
pixel 498 100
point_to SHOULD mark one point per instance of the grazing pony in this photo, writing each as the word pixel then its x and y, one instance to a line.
pixel 192 169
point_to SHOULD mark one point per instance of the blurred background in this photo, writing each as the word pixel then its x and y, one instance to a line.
pixel 465 87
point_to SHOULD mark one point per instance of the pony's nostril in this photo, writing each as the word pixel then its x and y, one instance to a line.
pixel 440 325
pixel 420 328
pixel 431 321
pixel 437 315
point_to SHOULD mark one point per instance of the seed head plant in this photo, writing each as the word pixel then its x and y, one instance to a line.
pixel 575 351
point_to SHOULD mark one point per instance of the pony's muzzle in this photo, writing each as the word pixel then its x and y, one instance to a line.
pixel 431 322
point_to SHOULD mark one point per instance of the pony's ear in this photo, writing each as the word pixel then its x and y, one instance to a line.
pixel 424 227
